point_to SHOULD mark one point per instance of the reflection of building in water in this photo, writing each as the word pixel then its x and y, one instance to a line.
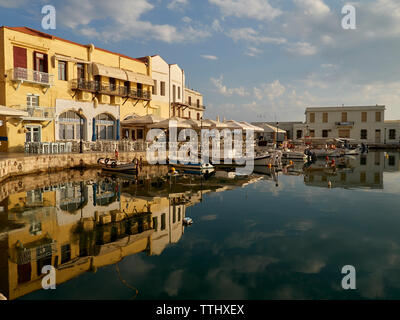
pixel 364 171
pixel 79 227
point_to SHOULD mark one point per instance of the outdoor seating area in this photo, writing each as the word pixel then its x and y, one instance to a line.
pixel 61 147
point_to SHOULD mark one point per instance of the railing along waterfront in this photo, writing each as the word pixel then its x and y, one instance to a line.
pixel 104 88
pixel 33 76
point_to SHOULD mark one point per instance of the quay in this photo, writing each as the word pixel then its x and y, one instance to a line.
pixel 12 165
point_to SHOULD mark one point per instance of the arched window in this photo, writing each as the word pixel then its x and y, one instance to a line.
pixel 105 127
pixel 71 126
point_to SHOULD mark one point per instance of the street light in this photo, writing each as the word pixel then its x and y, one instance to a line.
pixel 277 132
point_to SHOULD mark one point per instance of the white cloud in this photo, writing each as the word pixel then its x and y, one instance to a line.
pixel 254 9
pixel 13 3
pixel 124 21
pixel 209 57
pixel 177 4
pixel 302 48
pixel 253 52
pixel 186 19
pixel 271 90
pixel 313 7
pixel 253 36
pixel 222 89
pixel 216 26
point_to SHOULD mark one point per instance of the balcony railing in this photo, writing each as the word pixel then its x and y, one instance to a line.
pixel 195 105
pixel 114 90
pixel 32 76
pixel 37 111
pixel 345 123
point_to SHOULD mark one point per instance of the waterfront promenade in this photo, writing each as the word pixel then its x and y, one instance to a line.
pixel 16 164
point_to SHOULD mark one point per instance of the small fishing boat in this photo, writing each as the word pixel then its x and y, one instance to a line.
pixel 294 155
pixel 113 165
pixel 187 221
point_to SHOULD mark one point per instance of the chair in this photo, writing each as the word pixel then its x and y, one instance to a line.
pixel 54 147
pixel 61 147
pixel 44 148
pixel 68 147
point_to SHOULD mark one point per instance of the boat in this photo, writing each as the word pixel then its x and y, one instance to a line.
pixel 113 165
pixel 187 221
pixel 294 155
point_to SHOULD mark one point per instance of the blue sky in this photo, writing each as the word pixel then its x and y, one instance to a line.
pixel 254 60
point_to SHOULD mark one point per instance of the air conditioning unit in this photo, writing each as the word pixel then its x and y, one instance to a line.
pixel 104 99
pixel 116 100
pixel 85 96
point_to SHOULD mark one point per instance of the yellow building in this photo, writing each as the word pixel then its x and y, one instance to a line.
pixel 52 89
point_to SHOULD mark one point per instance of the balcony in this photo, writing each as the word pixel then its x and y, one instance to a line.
pixel 344 124
pixel 37 112
pixel 196 106
pixel 112 90
pixel 26 75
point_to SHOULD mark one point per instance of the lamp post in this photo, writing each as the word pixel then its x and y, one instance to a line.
pixel 277 132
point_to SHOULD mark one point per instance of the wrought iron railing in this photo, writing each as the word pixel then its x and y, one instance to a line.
pixel 195 105
pixel 22 74
pixel 104 88
pixel 37 111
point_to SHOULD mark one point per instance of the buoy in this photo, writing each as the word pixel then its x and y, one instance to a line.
pixel 329 184
pixel 291 162
pixel 269 165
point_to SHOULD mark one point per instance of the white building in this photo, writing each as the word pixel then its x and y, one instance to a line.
pixel 362 123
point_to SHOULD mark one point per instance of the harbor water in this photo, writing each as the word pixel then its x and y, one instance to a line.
pixel 271 235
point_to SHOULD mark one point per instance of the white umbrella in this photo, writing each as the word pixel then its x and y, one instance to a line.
pixel 143 120
pixel 172 122
pixel 216 124
pixel 198 124
pixel 236 125
pixel 253 127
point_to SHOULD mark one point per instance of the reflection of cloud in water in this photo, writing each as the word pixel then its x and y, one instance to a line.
pixel 210 217
pixel 174 282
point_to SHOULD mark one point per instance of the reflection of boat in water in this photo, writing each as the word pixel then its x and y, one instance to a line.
pixel 193 168
pixel 187 221
pixel 113 165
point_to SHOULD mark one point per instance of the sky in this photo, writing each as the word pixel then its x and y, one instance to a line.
pixel 253 60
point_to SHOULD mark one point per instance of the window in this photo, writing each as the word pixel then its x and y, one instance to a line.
pixel 112 84
pixel 154 89
pixel 65 253
pixel 190 101
pixel 363 160
pixel 40 62
pixel 378 116
pixel 364 134
pixel 62 70
pixel 70 126
pixel 299 134
pixel 173 111
pixel 344 116
pixel 162 84
pixel 190 115
pixel 363 177
pixel 155 223
pixel 198 116
pixel 140 134
pixel 324 133
pixel 344 133
pixel 33 133
pixel 179 92
pixel 312 117
pixel 198 103
pixel 312 133
pixel 80 68
pixel 173 93
pixel 392 134
pixel 163 221
pixel 325 117
pixel 105 127
pixel 364 116
pixel 127 87
pixel 32 100
pixel 174 215
pixel 392 161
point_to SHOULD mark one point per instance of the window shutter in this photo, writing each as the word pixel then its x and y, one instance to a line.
pixel 19 57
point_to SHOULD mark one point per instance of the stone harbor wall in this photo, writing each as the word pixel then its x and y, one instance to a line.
pixel 21 165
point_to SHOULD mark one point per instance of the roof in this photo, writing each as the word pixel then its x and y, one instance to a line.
pixel 346 108
pixel 41 34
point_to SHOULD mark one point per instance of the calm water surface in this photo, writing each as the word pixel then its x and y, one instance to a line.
pixel 284 236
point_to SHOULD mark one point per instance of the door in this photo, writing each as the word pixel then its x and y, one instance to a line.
pixel 344 133
pixel 33 134
pixel 40 66
pixel 377 136
pixel 20 63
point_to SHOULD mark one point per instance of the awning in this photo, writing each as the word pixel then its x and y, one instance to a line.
pixel 172 123
pixel 143 120
pixel 102 70
pixel 139 78
pixel 6 111
pixel 61 57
